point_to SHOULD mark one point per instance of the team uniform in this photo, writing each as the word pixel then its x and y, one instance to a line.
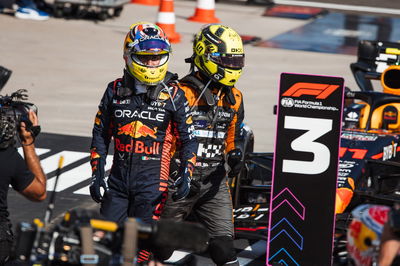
pixel 142 112
pixel 142 130
pixel 217 110
pixel 217 129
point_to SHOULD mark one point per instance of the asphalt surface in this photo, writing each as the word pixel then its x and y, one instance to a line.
pixel 372 3
pixel 66 63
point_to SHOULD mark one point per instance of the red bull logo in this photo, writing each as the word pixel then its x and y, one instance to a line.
pixel 137 146
pixel 137 129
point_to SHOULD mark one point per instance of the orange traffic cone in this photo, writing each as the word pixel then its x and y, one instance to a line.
pixel 166 20
pixel 146 2
pixel 205 12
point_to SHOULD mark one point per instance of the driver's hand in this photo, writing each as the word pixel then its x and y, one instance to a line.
pixel 24 134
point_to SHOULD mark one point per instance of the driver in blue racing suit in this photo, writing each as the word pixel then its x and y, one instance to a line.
pixel 143 112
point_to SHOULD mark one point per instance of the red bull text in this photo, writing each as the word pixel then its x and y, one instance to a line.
pixel 137 146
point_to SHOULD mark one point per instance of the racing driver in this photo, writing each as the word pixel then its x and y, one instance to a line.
pixel 217 110
pixel 141 111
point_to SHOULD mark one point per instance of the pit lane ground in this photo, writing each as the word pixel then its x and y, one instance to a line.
pixel 72 192
pixel 66 64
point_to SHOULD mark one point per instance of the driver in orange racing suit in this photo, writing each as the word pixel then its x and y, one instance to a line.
pixel 217 110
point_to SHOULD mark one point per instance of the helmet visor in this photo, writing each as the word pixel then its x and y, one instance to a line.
pixel 150 60
pixel 151 46
pixel 234 61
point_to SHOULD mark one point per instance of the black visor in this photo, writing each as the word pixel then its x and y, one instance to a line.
pixel 228 60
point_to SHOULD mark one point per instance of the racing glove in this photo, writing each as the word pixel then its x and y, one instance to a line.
pixel 98 182
pixel 183 182
pixel 235 162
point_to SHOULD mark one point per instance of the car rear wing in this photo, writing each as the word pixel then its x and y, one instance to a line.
pixel 372 59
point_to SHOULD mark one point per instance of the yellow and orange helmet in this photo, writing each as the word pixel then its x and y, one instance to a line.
pixel 146 40
pixel 218 53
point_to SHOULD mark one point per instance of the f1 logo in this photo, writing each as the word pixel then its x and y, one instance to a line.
pixel 321 91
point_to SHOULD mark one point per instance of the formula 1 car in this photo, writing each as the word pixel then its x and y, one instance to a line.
pixel 251 191
pixel 369 160
pixel 369 148
pixel 369 156
pixel 369 153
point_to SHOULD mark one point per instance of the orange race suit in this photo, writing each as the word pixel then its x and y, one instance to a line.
pixel 217 118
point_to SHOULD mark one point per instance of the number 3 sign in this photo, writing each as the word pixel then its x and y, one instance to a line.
pixel 305 170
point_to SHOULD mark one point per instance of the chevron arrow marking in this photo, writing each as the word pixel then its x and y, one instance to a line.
pixel 285 255
pixel 284 222
pixel 302 210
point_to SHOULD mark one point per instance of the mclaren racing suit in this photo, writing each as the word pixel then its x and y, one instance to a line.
pixel 142 126
pixel 217 117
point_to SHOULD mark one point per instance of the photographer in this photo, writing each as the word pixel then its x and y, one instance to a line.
pixel 24 175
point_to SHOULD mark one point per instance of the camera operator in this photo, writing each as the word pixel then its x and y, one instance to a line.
pixel 390 241
pixel 25 175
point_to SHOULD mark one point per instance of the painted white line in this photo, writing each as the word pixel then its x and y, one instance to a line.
pixel 50 164
pixel 244 257
pixel 341 7
pixel 177 256
pixel 39 151
pixel 74 176
pixel 83 191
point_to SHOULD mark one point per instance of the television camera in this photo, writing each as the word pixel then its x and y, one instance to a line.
pixel 13 111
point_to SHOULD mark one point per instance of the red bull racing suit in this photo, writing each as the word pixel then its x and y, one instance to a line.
pixel 142 129
pixel 217 120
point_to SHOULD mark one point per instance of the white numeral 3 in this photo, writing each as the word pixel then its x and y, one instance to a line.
pixel 316 127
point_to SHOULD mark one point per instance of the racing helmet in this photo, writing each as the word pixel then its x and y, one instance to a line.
pixel 365 231
pixel 146 53
pixel 390 80
pixel 218 53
